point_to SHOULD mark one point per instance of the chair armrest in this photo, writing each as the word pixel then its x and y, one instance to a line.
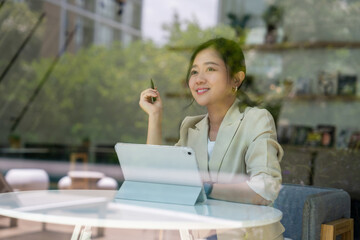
pixel 344 227
pixel 322 208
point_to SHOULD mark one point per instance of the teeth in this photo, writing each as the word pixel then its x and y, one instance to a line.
pixel 202 90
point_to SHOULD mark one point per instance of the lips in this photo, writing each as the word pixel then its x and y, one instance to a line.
pixel 202 90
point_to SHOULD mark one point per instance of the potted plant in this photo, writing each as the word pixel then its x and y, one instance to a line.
pixel 273 16
pixel 14 141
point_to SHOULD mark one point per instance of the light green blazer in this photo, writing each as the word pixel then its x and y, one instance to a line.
pixel 245 144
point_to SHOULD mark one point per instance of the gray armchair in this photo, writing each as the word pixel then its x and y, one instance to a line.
pixel 311 213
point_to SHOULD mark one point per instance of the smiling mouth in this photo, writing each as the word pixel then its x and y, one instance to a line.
pixel 202 90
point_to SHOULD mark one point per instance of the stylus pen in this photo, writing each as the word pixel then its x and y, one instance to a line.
pixel 153 99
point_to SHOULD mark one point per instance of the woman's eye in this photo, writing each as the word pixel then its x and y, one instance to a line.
pixel 210 69
pixel 193 72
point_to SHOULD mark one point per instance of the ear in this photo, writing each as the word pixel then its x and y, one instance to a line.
pixel 239 78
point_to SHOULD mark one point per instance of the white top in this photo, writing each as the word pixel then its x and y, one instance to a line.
pixel 99 208
pixel 211 145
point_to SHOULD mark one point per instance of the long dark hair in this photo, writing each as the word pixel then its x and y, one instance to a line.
pixel 230 52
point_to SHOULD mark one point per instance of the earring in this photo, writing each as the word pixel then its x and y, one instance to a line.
pixel 234 89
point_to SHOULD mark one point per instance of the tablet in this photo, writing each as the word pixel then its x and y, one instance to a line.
pixel 159 173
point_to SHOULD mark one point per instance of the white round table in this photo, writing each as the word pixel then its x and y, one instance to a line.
pixel 99 208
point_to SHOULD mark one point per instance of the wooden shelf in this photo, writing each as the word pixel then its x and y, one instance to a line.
pixel 302 45
pixel 299 98
pixel 304 148
pixel 314 97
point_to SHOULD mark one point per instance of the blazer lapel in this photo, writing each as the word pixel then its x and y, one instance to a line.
pixel 227 131
pixel 197 140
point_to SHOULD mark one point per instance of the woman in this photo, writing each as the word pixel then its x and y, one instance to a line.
pixel 229 143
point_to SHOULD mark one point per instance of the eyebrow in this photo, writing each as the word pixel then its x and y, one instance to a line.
pixel 207 63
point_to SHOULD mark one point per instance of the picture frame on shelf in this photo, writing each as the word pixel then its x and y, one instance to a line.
pixel 327 83
pixel 293 134
pixel 354 141
pixel 347 85
pixel 343 138
pixel 302 86
pixel 313 139
pixel 327 135
pixel 300 134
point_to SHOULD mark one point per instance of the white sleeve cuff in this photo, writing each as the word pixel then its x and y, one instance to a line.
pixel 265 185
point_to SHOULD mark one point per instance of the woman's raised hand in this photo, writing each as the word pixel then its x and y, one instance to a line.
pixel 147 102
pixel 153 107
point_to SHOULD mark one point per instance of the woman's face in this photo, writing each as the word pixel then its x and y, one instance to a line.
pixel 209 80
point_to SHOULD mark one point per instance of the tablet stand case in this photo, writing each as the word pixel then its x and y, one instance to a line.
pixel 160 192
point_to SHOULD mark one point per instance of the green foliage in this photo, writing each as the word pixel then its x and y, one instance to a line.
pixel 273 15
pixel 16 23
pixel 193 35
pixel 94 93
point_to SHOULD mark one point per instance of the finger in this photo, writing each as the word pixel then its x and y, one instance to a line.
pixel 149 90
pixel 149 93
pixel 158 97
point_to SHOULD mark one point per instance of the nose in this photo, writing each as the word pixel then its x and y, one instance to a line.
pixel 200 78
